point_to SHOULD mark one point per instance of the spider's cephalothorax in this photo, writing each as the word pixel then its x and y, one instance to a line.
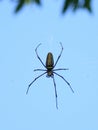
pixel 50 71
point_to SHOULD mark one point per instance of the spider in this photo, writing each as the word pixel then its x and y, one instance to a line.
pixel 50 70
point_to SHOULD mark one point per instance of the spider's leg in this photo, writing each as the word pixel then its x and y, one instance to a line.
pixel 34 81
pixel 59 55
pixel 55 91
pixel 38 56
pixel 65 81
pixel 39 70
pixel 60 69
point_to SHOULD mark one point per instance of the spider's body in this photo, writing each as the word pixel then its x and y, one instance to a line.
pixel 49 64
pixel 49 70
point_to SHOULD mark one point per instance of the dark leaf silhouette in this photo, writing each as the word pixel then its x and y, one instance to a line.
pixel 73 5
pixel 87 5
pixel 22 2
pixel 20 5
pixel 76 4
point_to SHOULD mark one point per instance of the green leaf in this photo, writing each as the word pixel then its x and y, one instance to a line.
pixel 20 5
pixel 67 3
pixel 76 4
pixel 87 5
pixel 22 2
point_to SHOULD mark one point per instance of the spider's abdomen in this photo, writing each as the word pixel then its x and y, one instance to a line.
pixel 49 61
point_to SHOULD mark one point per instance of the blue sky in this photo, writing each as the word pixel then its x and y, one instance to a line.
pixel 19 35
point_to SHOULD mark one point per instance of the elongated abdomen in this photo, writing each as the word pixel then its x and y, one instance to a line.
pixel 49 61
